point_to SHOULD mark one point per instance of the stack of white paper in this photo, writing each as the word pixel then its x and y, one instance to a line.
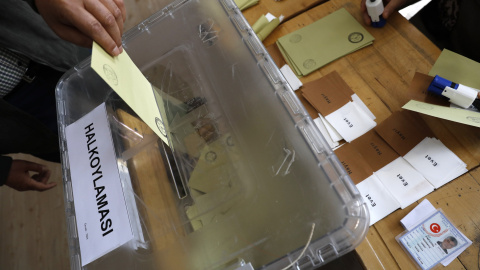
pixel 405 183
pixel 351 121
pixel 328 132
pixel 438 164
pixel 291 78
pixel 379 201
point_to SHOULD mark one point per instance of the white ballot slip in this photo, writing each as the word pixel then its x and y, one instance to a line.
pixel 323 129
pixel 379 201
pixel 432 241
pixel 292 79
pixel 405 183
pixel 420 212
pixel 351 121
pixel 356 99
pixel 100 209
pixel 334 135
pixel 438 164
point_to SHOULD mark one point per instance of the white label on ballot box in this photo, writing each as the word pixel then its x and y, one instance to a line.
pixel 100 210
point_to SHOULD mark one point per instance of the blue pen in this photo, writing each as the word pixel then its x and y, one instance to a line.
pixel 457 94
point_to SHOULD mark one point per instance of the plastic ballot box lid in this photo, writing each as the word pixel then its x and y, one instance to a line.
pixel 245 179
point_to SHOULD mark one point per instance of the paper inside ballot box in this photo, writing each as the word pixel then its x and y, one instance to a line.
pixel 215 168
pixel 403 130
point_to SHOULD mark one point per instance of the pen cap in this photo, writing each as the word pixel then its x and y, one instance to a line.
pixel 435 90
pixel 441 83
pixel 463 96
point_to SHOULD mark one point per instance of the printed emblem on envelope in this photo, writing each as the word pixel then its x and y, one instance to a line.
pixel 355 37
pixel 295 38
pixel 110 73
pixel 160 126
pixel 473 119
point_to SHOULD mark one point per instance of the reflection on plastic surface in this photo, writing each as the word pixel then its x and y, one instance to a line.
pixel 246 175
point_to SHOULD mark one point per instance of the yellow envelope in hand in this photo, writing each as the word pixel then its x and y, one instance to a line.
pixel 124 77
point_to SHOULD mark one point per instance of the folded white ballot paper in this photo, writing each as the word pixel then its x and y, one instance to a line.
pixel 334 135
pixel 323 129
pixel 405 183
pixel 351 121
pixel 356 99
pixel 291 78
pixel 421 212
pixel 379 201
pixel 438 164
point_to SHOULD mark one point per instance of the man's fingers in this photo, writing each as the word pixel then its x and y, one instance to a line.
pixel 34 167
pixel 363 6
pixel 363 9
pixel 392 6
pixel 366 18
pixel 117 12
pixel 95 30
pixel 104 20
pixel 389 9
pixel 122 8
pixel 39 186
pixel 42 177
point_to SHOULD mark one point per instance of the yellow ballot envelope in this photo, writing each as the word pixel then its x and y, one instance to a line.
pixel 124 77
pixel 323 41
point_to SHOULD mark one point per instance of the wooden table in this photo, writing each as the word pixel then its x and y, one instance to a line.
pixel 287 8
pixel 380 74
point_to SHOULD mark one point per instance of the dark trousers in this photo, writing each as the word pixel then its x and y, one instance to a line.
pixel 28 116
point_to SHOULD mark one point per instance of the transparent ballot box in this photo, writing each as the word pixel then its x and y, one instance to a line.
pixel 245 179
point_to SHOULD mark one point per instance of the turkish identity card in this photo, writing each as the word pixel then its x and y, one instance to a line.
pixel 431 241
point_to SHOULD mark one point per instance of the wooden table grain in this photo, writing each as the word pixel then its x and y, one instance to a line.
pixel 380 74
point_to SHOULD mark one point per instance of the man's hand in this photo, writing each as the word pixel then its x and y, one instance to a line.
pixel 19 177
pixel 390 7
pixel 82 21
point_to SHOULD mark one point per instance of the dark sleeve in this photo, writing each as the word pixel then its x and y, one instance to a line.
pixel 32 4
pixel 5 165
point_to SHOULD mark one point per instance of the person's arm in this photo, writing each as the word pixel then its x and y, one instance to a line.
pixel 32 4
pixel 84 21
pixel 18 176
pixel 5 165
pixel 390 7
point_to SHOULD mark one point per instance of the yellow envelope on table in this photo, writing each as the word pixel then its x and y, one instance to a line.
pixel 265 25
pixel 124 77
pixel 244 4
pixel 457 68
pixel 323 41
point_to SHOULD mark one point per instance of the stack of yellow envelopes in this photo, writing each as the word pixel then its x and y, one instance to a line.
pixel 323 41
